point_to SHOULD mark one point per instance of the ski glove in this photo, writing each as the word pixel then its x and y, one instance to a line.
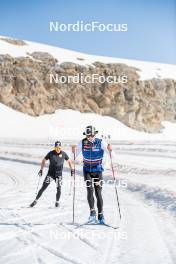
pixel 40 173
pixel 109 147
pixel 72 172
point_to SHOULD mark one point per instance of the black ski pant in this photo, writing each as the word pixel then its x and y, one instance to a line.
pixel 94 182
pixel 47 182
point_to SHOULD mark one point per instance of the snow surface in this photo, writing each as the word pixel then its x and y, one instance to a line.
pixel 69 124
pixel 45 234
pixel 147 70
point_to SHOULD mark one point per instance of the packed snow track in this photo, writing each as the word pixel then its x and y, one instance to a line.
pixel 46 235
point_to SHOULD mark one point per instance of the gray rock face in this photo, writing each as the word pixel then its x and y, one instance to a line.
pixel 143 105
pixel 44 57
pixel 18 42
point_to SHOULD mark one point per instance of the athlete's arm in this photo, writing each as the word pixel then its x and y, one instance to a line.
pixel 43 164
pixel 47 157
pixel 109 147
pixel 71 168
pixel 41 168
pixel 106 146
pixel 69 164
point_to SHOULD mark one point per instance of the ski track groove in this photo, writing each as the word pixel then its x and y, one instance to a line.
pixel 139 170
pixel 30 242
pixel 166 229
pixel 86 241
pixel 27 226
pixel 148 154
pixel 107 254
pixel 25 241
pixel 60 255
pixel 14 181
pixel 171 233
pixel 21 253
pixel 161 197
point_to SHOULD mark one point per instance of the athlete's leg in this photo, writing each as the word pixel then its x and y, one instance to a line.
pixel 89 186
pixel 98 191
pixel 46 182
pixel 58 187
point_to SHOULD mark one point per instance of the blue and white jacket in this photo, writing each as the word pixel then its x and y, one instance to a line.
pixel 93 153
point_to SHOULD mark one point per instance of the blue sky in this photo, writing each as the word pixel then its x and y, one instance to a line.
pixel 151 32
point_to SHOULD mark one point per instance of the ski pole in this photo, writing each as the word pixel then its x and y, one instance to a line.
pixel 113 174
pixel 37 186
pixel 70 190
pixel 74 157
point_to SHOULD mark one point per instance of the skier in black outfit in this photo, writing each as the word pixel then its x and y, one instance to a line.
pixel 56 158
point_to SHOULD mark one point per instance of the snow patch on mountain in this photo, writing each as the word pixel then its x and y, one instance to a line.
pixel 147 70
pixel 69 124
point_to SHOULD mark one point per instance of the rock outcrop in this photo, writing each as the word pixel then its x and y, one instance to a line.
pixel 25 86
pixel 17 42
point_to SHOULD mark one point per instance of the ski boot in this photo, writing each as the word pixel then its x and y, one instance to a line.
pixel 33 203
pixel 92 217
pixel 56 204
pixel 101 219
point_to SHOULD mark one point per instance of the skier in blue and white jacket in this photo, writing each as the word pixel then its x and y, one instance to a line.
pixel 93 149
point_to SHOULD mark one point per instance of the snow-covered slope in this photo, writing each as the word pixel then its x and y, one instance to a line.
pixel 147 70
pixel 69 124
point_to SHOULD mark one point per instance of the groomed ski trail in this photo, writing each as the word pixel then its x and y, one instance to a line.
pixel 27 234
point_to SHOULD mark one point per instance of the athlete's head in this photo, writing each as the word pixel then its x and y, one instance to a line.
pixel 57 146
pixel 90 132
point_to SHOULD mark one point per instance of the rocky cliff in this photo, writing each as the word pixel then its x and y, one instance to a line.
pixel 141 104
